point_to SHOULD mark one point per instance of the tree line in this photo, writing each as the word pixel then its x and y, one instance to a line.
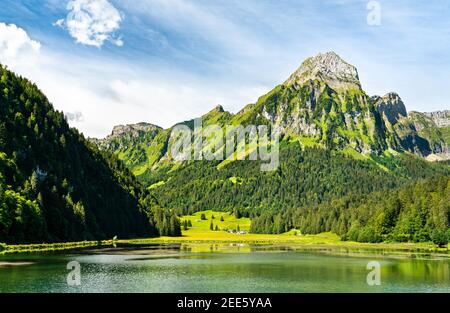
pixel 417 212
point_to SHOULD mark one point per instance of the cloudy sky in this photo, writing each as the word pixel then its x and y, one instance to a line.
pixel 109 62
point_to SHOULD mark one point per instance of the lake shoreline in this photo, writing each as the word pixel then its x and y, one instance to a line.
pixel 307 242
pixel 49 247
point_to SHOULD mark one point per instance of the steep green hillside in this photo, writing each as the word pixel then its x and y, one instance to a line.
pixel 57 186
pixel 308 176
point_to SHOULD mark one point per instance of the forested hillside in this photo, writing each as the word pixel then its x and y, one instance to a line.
pixel 57 186
pixel 305 177
pixel 416 212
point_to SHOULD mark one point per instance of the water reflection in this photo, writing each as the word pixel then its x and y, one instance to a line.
pixel 225 268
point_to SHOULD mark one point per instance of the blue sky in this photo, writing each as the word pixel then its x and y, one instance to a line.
pixel 109 62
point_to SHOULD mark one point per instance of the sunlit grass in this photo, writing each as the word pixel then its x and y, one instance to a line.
pixel 224 220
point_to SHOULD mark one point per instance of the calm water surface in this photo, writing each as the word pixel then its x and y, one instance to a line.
pixel 251 269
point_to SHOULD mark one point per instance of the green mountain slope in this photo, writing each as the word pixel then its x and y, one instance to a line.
pixel 57 186
pixel 145 148
pixel 305 177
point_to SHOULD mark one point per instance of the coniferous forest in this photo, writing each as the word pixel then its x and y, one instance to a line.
pixel 56 186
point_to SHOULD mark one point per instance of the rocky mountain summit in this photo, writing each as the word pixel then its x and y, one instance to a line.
pixel 329 68
pixel 435 128
pixel 132 130
pixel 124 135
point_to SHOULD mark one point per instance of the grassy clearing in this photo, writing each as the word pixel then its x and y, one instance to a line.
pixel 224 220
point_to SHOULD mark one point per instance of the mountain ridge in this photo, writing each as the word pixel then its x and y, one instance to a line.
pixel 321 104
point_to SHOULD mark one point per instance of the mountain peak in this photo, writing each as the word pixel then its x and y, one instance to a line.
pixel 391 105
pixel 329 68
pixel 121 130
pixel 218 108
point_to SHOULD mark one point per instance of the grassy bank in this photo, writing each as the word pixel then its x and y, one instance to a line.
pixel 324 240
pixel 9 249
pixel 207 239
pixel 199 235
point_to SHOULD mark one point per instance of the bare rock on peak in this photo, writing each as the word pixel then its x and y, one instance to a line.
pixel 329 68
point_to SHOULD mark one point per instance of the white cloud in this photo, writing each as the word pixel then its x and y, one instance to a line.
pixel 16 47
pixel 59 23
pixel 98 94
pixel 92 22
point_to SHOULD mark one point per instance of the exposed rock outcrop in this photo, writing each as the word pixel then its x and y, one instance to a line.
pixel 329 68
pixel 391 107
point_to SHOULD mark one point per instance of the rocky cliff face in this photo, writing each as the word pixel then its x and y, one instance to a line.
pixel 123 135
pixel 133 130
pixel 322 103
pixel 391 107
pixel 440 118
pixel 435 128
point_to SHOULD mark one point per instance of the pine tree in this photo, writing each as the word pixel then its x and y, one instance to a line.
pixel 175 229
pixel 3 136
